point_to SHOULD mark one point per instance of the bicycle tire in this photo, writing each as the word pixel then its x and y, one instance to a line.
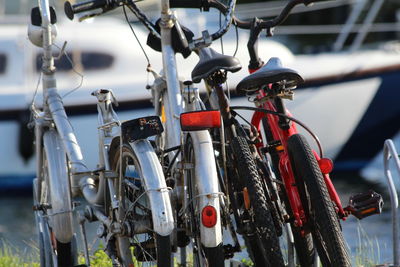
pixel 50 214
pixel 305 252
pixel 202 256
pixel 264 223
pixel 325 225
pixel 150 246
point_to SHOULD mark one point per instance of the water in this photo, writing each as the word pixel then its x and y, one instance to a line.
pixel 373 234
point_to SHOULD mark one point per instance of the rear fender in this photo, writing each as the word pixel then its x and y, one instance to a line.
pixel 155 185
pixel 207 185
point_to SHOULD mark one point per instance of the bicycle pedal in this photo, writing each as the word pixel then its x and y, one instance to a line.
pixel 365 204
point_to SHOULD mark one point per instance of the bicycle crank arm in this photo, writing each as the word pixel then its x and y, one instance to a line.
pixel 365 204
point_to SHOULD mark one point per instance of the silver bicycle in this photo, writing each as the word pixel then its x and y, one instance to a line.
pixel 185 148
pixel 127 194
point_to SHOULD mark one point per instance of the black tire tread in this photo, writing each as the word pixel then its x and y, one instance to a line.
pixel 164 258
pixel 324 217
pixel 247 170
pixel 213 256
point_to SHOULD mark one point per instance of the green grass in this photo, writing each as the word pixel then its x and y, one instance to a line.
pixel 367 254
pixel 368 250
pixel 11 256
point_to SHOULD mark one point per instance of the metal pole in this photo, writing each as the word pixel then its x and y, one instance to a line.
pixel 389 152
pixel 366 25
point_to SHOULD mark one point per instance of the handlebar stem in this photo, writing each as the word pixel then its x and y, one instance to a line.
pixel 48 59
pixel 252 45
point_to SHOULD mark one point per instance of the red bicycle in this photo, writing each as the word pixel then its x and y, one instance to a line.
pixel 312 205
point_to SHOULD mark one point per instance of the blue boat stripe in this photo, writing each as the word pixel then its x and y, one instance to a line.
pixel 379 122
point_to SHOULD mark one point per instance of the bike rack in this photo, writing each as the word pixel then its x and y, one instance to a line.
pixel 390 152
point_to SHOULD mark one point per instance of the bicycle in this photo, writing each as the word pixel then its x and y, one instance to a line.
pixel 242 180
pixel 185 148
pixel 127 194
pixel 312 204
pixel 248 181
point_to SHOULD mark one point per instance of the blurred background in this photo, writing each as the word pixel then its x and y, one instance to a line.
pixel 348 51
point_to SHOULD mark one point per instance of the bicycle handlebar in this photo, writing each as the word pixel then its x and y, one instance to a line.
pixel 263 24
pixel 106 5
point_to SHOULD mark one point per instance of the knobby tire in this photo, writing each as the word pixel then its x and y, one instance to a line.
pixel 264 223
pixel 325 226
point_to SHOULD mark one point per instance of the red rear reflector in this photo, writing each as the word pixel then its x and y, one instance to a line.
pixel 209 216
pixel 326 165
pixel 200 120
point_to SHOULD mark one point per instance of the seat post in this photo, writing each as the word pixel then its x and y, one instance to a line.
pixel 284 123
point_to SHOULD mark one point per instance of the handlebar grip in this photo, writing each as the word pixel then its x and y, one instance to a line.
pixel 186 3
pixel 70 10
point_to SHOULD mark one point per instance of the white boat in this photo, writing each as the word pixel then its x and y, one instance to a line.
pixel 346 97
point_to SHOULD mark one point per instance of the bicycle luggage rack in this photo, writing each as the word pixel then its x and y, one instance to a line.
pixel 390 152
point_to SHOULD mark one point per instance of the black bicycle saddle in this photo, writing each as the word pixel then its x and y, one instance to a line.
pixel 212 61
pixel 271 72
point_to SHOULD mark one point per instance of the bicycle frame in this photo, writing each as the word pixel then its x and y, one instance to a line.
pixel 56 143
pixel 288 178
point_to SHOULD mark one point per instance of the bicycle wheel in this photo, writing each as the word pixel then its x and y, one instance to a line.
pixel 324 222
pixel 265 238
pixel 305 252
pixel 53 212
pixel 149 247
pixel 202 256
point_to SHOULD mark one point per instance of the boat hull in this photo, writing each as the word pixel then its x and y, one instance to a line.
pixel 352 117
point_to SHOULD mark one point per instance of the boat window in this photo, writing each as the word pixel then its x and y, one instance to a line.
pixel 62 64
pixel 95 60
pixel 3 63
pixel 88 60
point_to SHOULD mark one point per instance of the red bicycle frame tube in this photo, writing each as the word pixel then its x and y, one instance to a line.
pixel 285 167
